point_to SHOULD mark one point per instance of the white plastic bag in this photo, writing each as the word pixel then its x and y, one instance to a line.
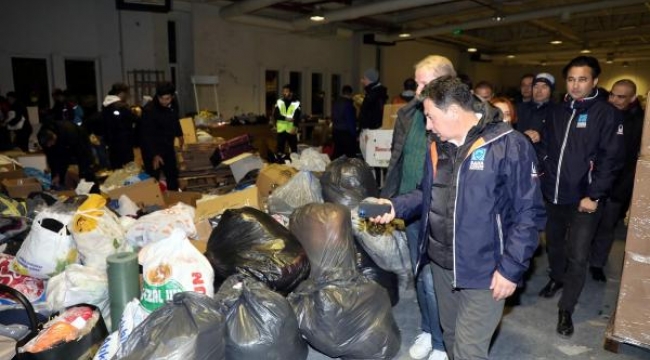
pixel 45 253
pixel 304 188
pixel 173 265
pixel 132 316
pixel 310 159
pixel 97 232
pixel 79 284
pixel 160 224
pixel 127 207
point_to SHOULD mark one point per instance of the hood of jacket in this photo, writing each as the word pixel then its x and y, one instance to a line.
pixel 111 99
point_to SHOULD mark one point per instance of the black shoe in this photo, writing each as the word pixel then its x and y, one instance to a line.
pixel 597 274
pixel 550 289
pixel 564 323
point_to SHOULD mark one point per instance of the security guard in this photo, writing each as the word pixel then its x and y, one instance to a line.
pixel 286 116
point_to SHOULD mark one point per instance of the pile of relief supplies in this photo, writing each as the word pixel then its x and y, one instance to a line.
pixel 306 272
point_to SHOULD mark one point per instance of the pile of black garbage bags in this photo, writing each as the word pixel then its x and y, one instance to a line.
pixel 284 288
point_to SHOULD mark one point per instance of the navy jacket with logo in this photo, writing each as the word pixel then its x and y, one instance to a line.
pixel 581 150
pixel 488 213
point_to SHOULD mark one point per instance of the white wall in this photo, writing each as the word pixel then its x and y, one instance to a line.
pixel 239 54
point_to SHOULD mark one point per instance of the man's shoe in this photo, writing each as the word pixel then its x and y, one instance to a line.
pixel 438 355
pixel 564 323
pixel 597 274
pixel 421 346
pixel 551 288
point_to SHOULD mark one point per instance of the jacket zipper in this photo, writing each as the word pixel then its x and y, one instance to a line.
pixel 460 166
pixel 500 228
pixel 559 163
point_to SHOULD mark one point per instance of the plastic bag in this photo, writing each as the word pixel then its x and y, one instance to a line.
pixel 311 159
pixel 97 232
pixel 344 315
pixel 170 266
pixel 348 181
pixel 304 188
pixel 133 315
pixel 118 177
pixel 189 327
pixel 79 284
pixel 370 270
pixel 386 245
pixel 11 207
pixel 251 242
pixel 159 225
pixel 48 248
pixel 325 233
pixel 32 288
pixel 261 325
pixel 127 207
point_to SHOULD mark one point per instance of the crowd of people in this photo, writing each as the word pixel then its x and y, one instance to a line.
pixel 530 165
pixel 105 140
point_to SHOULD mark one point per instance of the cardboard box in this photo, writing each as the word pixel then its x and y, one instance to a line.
pixel 273 176
pixel 143 193
pixel 36 161
pixel 645 138
pixel 390 116
pixel 187 197
pixel 207 208
pixel 189 131
pixel 21 188
pixel 376 147
pixel 11 171
pixel 240 165
pixel 638 233
pixel 200 245
pixel 203 229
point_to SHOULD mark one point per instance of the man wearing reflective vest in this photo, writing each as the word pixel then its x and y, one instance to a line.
pixel 286 116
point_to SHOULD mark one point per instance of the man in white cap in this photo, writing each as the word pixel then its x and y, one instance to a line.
pixel 372 108
pixel 533 114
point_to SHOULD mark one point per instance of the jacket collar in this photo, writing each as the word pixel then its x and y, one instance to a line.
pixel 580 104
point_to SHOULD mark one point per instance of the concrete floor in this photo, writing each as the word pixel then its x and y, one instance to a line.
pixel 527 331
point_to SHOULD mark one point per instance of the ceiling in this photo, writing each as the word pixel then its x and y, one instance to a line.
pixel 503 31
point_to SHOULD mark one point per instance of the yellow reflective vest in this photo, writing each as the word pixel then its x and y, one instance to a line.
pixel 286 125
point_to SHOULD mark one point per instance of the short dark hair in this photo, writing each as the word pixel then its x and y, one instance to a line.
pixel 449 90
pixel 527 75
pixel 410 84
pixel 583 60
pixel 165 88
pixel 288 87
pixel 57 92
pixel 44 137
pixel 118 88
pixel 466 80
pixel 346 90
pixel 484 84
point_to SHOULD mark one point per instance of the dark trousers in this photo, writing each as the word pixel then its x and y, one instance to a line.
pixel 604 238
pixel 284 138
pixel 169 168
pixel 344 144
pixel 569 234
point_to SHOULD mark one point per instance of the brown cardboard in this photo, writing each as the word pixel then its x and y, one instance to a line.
pixel 145 193
pixel 632 321
pixel 186 197
pixel 390 116
pixel 638 233
pixel 645 139
pixel 21 188
pixel 273 176
pixel 189 131
pixel 202 246
pixel 203 229
pixel 36 161
pixel 206 208
pixel 11 171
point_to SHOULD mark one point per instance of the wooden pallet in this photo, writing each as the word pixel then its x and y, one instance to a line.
pixel 612 342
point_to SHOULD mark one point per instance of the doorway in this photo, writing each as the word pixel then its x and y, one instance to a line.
pixel 31 82
pixel 81 81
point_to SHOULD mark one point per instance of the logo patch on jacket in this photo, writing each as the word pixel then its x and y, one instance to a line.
pixel 533 172
pixel 620 130
pixel 477 159
pixel 582 121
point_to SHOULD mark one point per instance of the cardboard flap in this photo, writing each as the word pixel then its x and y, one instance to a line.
pixel 213 206
pixel 145 192
pixel 241 164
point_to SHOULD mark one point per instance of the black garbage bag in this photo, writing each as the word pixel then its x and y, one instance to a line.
pixel 348 181
pixel 250 242
pixel 345 315
pixel 325 232
pixel 190 327
pixel 260 323
pixel 388 280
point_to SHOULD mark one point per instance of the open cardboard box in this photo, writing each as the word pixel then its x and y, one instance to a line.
pixel 272 177
pixel 11 171
pixel 240 165
pixel 145 193
pixel 390 116
pixel 186 197
pixel 22 187
pixel 207 208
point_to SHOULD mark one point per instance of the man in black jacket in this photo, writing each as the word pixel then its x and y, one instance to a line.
pixel 64 142
pixel 532 115
pixel 623 97
pixel 581 155
pixel 159 127
pixel 119 123
pixel 18 122
pixel 372 108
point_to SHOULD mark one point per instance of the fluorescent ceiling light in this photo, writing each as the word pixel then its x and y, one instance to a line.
pixel 317 18
pixel 404 35
pixel 585 51
pixel 472 50
pixel 510 56
pixel 556 42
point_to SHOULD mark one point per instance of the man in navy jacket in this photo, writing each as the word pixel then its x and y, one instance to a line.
pixel 481 209
pixel 581 153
